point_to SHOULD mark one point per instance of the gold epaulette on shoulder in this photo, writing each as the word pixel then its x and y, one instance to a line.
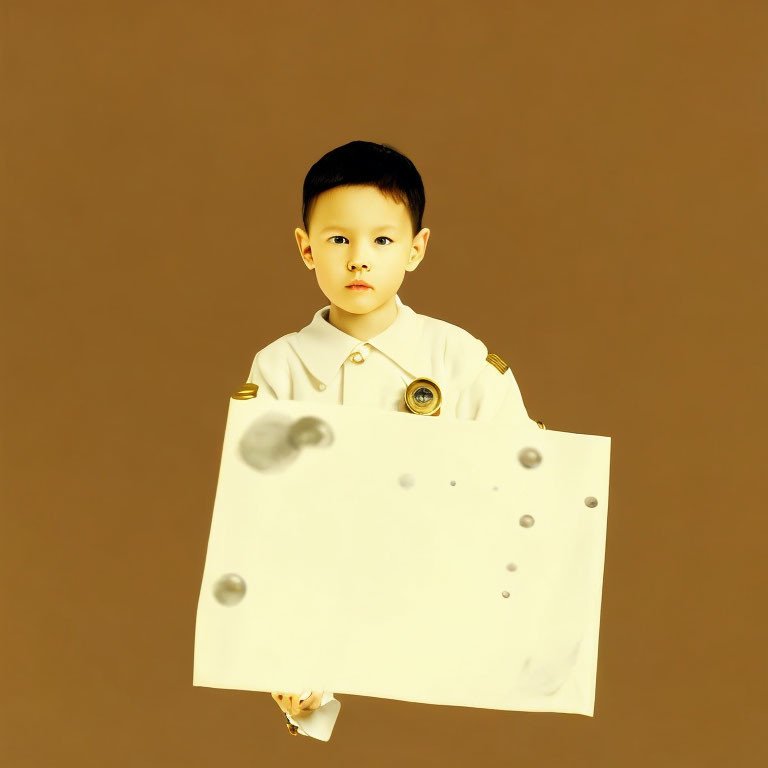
pixel 246 392
pixel 497 362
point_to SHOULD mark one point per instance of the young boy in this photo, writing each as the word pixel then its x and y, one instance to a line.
pixel 362 212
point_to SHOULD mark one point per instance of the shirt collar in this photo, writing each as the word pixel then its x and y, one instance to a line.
pixel 323 348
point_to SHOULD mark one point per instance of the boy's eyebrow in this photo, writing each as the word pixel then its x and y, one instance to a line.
pixel 377 229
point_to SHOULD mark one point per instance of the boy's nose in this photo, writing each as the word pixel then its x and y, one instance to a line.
pixel 359 258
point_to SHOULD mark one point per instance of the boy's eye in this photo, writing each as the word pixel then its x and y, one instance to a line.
pixel 335 238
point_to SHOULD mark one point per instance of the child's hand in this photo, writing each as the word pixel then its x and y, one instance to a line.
pixel 290 703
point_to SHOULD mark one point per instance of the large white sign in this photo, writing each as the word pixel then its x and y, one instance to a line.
pixel 407 557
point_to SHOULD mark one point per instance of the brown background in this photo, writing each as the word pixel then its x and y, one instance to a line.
pixel 596 185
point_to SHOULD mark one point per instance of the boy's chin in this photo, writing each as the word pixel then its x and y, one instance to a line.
pixel 358 303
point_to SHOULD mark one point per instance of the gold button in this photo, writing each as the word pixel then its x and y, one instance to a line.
pixel 423 397
pixel 356 357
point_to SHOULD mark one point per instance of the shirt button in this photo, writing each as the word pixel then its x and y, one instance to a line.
pixel 321 386
pixel 360 355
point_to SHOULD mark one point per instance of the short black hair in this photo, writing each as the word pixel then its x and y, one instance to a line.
pixel 367 163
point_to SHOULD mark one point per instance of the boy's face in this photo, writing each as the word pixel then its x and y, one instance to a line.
pixel 358 233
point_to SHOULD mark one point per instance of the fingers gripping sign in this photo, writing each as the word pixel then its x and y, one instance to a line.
pixel 298 705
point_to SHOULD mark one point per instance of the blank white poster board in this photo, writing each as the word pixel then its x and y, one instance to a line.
pixel 404 557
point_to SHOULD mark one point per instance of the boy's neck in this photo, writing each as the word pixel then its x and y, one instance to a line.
pixel 364 326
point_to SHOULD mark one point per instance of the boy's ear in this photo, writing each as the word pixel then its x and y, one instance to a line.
pixel 302 240
pixel 418 248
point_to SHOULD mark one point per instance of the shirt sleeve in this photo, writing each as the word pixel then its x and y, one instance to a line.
pixel 319 723
pixel 493 396
pixel 256 376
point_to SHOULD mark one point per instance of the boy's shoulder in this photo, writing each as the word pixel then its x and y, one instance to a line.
pixel 464 355
pixel 447 330
pixel 268 366
pixel 276 349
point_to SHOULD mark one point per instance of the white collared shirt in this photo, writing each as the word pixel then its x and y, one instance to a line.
pixel 321 362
